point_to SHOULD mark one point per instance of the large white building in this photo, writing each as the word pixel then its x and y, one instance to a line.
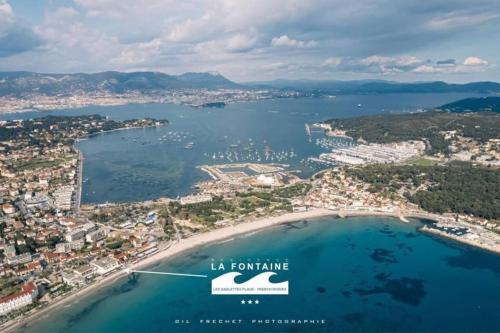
pixel 105 265
pixel 75 235
pixel 28 293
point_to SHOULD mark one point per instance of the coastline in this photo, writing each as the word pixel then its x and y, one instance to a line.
pixel 183 246
pixel 461 240
pixel 214 236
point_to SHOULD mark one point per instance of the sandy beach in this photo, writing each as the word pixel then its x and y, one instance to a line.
pixel 175 249
pixel 190 243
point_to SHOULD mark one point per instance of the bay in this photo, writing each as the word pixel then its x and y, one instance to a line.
pixel 358 275
pixel 143 164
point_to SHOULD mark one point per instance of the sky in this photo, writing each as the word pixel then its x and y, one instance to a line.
pixel 258 40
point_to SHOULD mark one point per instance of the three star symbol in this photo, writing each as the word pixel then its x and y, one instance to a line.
pixel 250 301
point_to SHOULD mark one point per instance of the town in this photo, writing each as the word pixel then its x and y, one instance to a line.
pixel 201 97
pixel 41 233
pixel 52 246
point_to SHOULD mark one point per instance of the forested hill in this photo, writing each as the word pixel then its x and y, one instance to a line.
pixel 457 188
pixel 386 128
pixel 491 104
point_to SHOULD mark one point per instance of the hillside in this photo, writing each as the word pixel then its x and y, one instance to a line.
pixel 491 103
pixel 25 83
pixel 455 188
pixel 388 128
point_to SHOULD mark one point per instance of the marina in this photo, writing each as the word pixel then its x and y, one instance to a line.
pixel 143 164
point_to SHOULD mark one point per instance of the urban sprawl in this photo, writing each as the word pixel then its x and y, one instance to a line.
pixel 52 246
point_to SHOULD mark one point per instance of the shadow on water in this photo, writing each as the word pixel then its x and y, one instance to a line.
pixel 470 259
pixel 353 318
pixel 321 289
pixel 405 290
pixel 131 284
pixel 383 255
pixel 295 225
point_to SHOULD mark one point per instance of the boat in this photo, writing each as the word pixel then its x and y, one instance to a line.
pixel 189 145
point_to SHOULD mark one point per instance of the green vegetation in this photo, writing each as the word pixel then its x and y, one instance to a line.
pixel 244 203
pixel 423 162
pixel 52 130
pixel 8 286
pixel 52 241
pixel 36 163
pixel 421 126
pixel 292 191
pixel 491 103
pixel 454 188
pixel 116 244
pixel 204 212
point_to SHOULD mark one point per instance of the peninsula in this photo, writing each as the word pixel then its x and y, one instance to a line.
pixel 64 249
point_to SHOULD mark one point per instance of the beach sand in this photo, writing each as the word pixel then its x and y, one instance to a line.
pixel 188 244
pixel 177 248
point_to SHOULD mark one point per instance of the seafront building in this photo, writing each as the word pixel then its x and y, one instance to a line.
pixel 105 265
pixel 28 294
pixel 374 153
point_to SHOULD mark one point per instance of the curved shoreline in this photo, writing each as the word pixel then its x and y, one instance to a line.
pixel 184 245
pixel 198 240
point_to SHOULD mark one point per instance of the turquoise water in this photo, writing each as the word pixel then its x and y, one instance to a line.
pixel 358 274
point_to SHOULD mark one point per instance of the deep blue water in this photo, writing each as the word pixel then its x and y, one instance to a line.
pixel 143 164
pixel 358 274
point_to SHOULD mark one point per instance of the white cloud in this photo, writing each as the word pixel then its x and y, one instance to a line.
pixel 462 19
pixel 332 62
pixel 240 43
pixel 192 30
pixel 385 64
pixel 285 41
pixel 6 17
pixel 475 61
pixel 390 61
pixel 245 39
pixel 469 65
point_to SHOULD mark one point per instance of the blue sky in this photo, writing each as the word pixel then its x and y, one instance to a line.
pixel 404 40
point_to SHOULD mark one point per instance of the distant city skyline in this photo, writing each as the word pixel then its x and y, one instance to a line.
pixel 454 41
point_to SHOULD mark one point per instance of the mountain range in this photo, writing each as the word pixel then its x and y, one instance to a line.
pixel 20 83
pixel 25 83
pixel 379 86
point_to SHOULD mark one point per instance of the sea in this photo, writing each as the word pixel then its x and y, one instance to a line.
pixel 148 163
pixel 352 275
pixel 365 274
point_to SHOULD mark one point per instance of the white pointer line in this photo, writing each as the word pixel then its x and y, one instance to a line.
pixel 167 273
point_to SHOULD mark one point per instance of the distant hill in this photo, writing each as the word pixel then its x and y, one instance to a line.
pixel 379 86
pixel 491 103
pixel 22 83
pixel 207 80
pixel 26 83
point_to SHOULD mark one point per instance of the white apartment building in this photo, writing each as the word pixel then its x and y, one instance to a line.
pixel 28 293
